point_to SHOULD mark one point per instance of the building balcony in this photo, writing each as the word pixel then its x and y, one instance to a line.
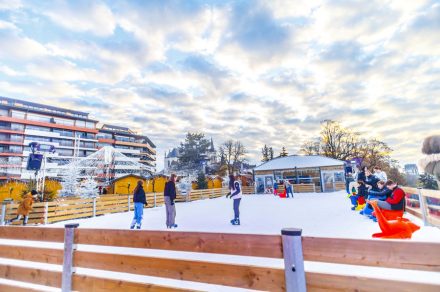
pixel 46 124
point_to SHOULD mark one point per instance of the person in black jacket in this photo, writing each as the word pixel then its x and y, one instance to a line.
pixel 169 196
pixel 139 200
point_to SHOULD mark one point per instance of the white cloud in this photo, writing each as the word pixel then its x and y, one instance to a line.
pixel 83 16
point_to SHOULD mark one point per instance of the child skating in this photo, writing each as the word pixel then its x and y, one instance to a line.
pixel 24 208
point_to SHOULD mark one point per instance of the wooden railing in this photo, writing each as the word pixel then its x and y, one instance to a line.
pixel 76 208
pixel 290 246
pixel 195 195
pixel 424 204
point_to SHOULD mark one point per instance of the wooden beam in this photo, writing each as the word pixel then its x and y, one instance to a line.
pixel 243 276
pixel 12 288
pixel 329 282
pixel 32 254
pixel 32 233
pixel 378 253
pixel 31 275
pixel 97 284
pixel 234 244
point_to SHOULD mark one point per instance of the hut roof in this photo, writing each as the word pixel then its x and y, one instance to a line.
pixel 299 161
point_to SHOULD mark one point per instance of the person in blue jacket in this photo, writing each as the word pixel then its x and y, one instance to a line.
pixel 381 194
pixel 235 194
pixel 139 200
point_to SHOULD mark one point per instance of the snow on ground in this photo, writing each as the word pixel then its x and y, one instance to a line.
pixel 322 215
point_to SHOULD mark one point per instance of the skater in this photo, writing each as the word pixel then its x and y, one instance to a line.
pixel 24 208
pixel 139 200
pixel 275 188
pixel 170 196
pixel 288 187
pixel 235 194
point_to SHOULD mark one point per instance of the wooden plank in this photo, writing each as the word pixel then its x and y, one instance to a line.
pixel 250 244
pixel 413 211
pixel 243 276
pixel 32 233
pixel 12 288
pixel 97 284
pixel 431 193
pixel 31 275
pixel 410 191
pixel 69 217
pixel 72 207
pixel 328 282
pixel 69 212
pixel 388 254
pixel 32 254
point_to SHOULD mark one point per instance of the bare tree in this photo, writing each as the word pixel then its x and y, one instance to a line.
pixel 233 154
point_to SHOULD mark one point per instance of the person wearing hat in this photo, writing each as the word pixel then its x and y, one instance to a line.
pixel 24 208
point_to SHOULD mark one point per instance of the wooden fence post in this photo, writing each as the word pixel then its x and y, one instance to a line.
pixel 46 212
pixel 423 207
pixel 69 247
pixel 129 203
pixel 154 199
pixel 3 216
pixel 94 206
pixel 293 260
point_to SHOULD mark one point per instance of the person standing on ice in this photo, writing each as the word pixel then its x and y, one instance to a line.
pixel 139 200
pixel 170 196
pixel 235 194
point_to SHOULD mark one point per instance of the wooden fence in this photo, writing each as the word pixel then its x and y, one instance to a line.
pixel 290 246
pixel 68 208
pixel 424 204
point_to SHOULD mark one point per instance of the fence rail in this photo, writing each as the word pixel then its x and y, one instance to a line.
pixel 76 208
pixel 424 204
pixel 387 254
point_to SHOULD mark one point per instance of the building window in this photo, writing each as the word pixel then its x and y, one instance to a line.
pixel 15 149
pixel 81 124
pixel 39 139
pixel 39 118
pixel 18 115
pixel 91 125
pixel 65 122
pixel 17 127
pixel 16 138
pixel 4 112
pixel 37 128
pixel 65 133
pixel 65 152
pixel 105 136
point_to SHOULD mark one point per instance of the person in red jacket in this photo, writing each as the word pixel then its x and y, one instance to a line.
pixel 396 201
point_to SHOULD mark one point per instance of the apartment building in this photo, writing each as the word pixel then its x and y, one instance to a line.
pixel 129 143
pixel 23 122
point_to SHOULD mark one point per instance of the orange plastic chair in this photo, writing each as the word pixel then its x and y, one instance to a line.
pixel 400 228
pixel 391 214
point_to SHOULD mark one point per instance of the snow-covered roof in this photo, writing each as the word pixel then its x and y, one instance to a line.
pixel 298 161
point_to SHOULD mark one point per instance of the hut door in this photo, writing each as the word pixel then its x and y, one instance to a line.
pixel 328 181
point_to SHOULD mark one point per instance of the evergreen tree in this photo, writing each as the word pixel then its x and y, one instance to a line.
pixel 283 152
pixel 270 153
pixel 191 151
pixel 88 188
pixel 201 181
pixel 265 153
pixel 428 181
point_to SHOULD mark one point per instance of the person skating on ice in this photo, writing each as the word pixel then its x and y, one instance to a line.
pixel 235 194
pixel 139 200
pixel 170 207
pixel 24 208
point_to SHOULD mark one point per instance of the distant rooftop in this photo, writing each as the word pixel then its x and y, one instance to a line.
pixel 41 108
pixel 298 161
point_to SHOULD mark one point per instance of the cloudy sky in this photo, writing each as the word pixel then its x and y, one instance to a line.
pixel 264 72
